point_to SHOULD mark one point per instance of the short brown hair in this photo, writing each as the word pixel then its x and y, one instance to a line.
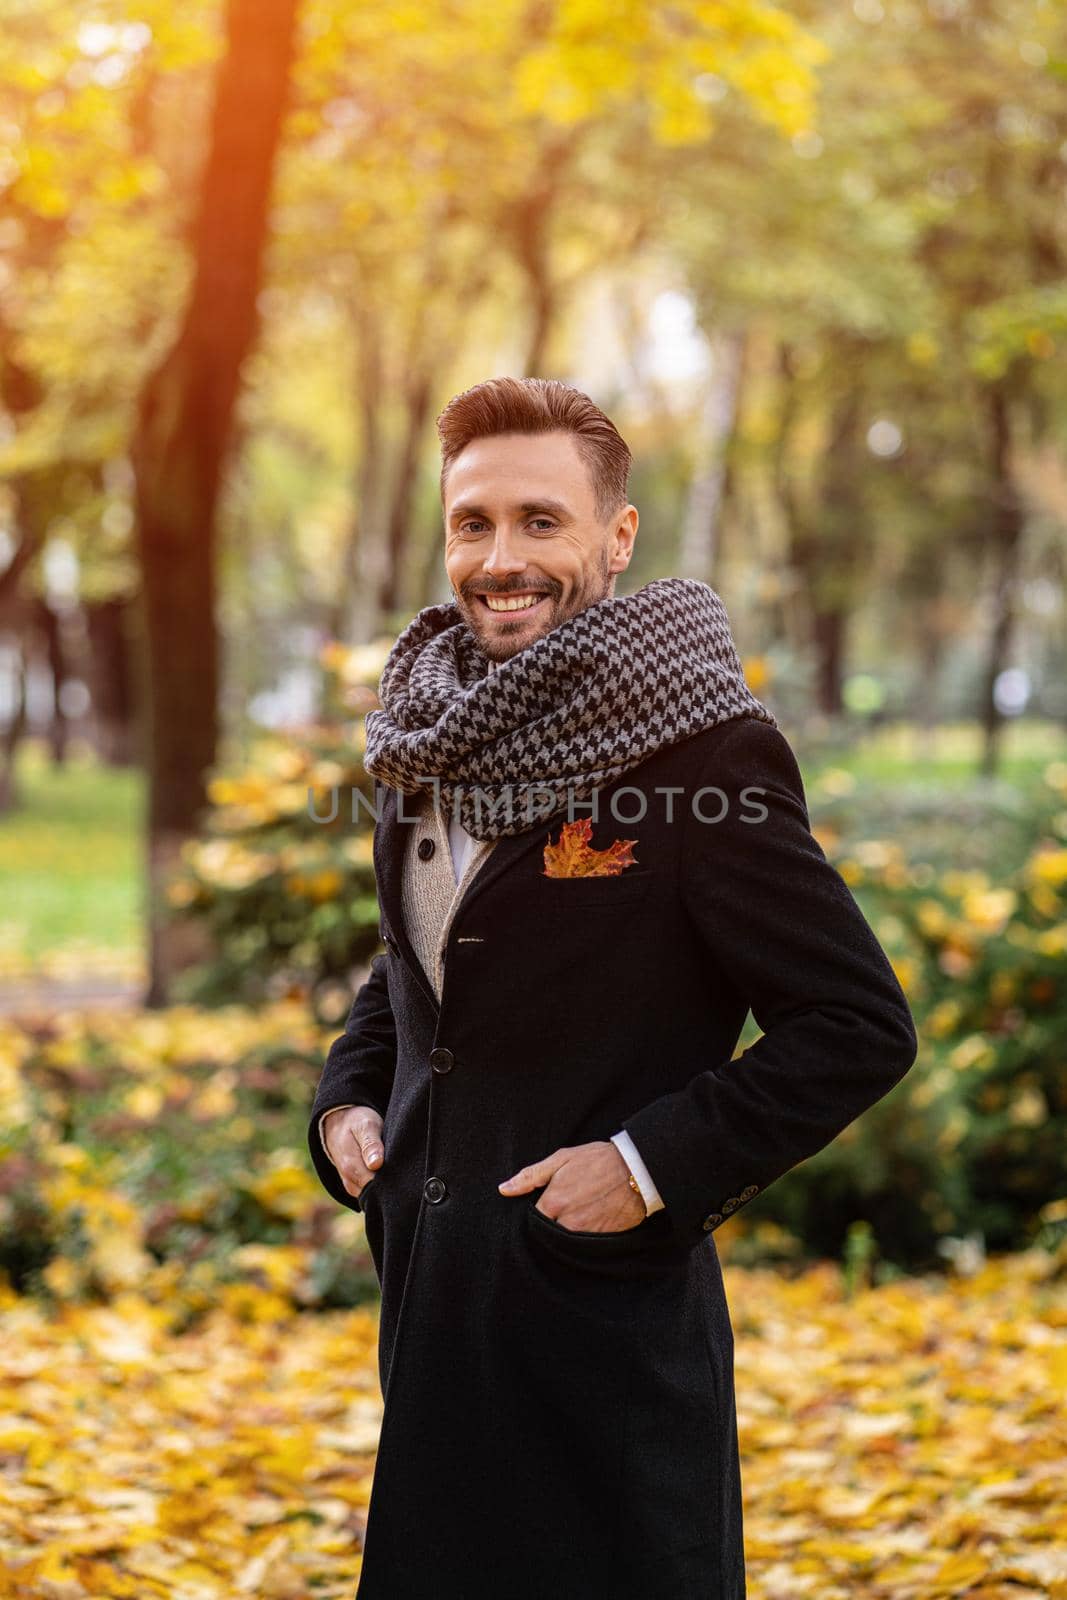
pixel 539 405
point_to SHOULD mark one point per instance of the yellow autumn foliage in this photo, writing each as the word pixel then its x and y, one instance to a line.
pixel 897 1440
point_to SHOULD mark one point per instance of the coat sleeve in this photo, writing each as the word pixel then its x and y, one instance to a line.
pixel 783 927
pixel 358 1071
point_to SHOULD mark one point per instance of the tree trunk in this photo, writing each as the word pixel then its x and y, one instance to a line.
pixel 180 445
pixel 931 655
pixel 107 625
pixel 420 394
pixel 543 311
pixel 16 619
pixel 376 582
pixel 792 616
pixel 530 230
pixel 1007 530
pixel 13 734
pixel 828 631
pixel 700 530
pixel 531 237
pixel 49 626
pixel 364 560
pixel 822 544
pixel 32 497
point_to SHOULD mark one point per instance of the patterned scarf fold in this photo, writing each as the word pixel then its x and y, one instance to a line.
pixel 567 715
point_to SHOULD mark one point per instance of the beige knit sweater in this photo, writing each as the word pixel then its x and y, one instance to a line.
pixel 429 892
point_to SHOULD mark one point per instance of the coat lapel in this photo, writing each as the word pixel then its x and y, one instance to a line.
pixel 390 848
pixel 506 852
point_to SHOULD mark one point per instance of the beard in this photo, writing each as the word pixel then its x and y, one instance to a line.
pixel 498 639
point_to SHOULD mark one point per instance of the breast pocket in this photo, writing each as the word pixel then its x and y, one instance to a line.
pixel 573 895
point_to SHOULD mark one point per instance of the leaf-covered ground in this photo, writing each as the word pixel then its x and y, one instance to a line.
pixel 906 1442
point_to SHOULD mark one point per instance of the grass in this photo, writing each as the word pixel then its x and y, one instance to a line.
pixel 70 861
pixel 949 759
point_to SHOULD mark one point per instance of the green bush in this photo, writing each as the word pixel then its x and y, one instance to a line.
pixel 973 1141
pixel 165 1154
pixel 283 878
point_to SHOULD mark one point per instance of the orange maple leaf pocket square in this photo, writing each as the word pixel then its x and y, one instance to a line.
pixel 572 856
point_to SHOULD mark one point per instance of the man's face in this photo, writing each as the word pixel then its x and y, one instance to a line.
pixel 521 526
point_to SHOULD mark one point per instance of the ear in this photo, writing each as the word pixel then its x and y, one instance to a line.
pixel 622 545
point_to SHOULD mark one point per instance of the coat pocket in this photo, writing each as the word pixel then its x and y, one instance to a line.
pixel 644 1250
pixel 625 889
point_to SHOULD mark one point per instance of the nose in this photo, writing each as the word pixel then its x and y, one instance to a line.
pixel 504 558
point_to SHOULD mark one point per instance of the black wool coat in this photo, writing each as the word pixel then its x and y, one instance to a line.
pixel 559 1406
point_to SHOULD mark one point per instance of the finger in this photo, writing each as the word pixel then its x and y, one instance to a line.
pixel 354 1176
pixel 355 1168
pixel 370 1146
pixel 367 1133
pixel 532 1177
pixel 344 1127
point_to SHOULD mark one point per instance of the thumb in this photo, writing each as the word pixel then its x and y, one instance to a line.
pixel 370 1146
pixel 529 1177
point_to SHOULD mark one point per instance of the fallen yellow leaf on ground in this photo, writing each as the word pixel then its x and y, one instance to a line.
pixel 904 1443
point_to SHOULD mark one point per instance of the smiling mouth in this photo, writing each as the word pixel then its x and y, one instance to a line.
pixel 512 604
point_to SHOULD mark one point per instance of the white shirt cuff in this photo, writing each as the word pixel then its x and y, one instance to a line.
pixel 628 1150
pixel 322 1130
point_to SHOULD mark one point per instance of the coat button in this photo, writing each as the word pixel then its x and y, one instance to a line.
pixel 753 1188
pixel 435 1190
pixel 426 849
pixel 712 1221
pixel 730 1205
pixel 442 1060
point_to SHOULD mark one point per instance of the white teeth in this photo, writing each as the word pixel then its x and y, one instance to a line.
pixel 496 604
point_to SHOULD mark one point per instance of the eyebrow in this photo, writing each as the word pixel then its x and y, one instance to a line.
pixel 466 508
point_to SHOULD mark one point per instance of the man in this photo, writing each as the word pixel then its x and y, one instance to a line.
pixel 534 1102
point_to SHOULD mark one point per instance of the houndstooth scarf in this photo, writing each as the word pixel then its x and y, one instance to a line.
pixel 568 714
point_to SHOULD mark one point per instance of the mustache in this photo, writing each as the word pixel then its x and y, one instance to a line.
pixel 470 591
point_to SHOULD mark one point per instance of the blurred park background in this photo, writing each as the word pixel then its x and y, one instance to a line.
pixel 811 259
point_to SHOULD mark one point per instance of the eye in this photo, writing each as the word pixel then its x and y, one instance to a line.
pixel 473 526
pixel 549 524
